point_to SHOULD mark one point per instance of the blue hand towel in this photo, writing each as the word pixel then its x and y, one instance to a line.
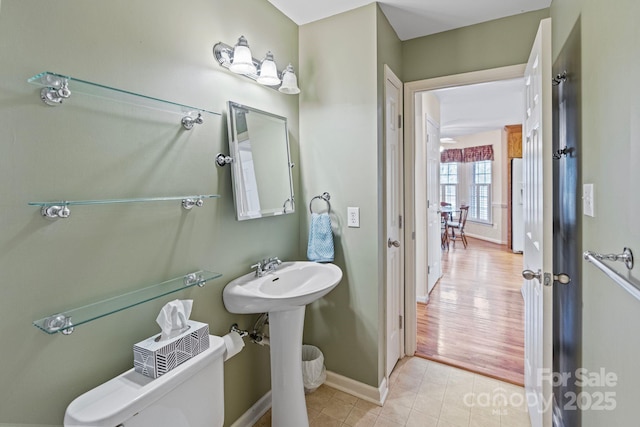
pixel 320 248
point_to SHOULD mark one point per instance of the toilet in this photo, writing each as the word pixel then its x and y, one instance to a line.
pixel 191 395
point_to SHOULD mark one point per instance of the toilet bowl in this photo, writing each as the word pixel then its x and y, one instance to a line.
pixel 191 395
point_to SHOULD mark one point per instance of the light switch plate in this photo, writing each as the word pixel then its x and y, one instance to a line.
pixel 353 217
pixel 588 200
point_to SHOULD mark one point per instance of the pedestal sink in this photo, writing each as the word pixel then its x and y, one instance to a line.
pixel 284 294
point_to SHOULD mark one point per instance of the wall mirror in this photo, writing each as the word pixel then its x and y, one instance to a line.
pixel 261 163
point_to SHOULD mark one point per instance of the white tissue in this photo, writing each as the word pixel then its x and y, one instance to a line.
pixel 233 343
pixel 173 318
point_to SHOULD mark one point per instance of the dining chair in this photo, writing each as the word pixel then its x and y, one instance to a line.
pixel 445 215
pixel 456 228
pixel 444 233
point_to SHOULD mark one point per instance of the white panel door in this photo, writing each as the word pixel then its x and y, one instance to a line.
pixel 394 211
pixel 538 211
pixel 433 204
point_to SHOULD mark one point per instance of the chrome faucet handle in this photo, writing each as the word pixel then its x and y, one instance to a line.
pixel 258 267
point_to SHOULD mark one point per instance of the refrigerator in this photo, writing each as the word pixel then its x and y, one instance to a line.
pixel 517 219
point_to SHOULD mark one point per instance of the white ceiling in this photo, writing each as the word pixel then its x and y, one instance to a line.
pixel 414 18
pixel 464 110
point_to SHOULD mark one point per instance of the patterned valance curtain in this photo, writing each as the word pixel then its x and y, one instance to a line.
pixel 453 155
pixel 477 154
pixel 467 155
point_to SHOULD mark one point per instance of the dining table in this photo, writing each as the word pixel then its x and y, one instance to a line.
pixel 448 211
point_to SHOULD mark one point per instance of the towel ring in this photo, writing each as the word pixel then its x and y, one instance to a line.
pixel 325 196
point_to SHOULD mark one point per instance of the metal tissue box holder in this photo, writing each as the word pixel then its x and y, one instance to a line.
pixel 154 358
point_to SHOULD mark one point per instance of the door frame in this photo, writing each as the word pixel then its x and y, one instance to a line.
pixel 411 137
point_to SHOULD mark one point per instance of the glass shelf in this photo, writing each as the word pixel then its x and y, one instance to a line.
pixel 57 82
pixel 65 321
pixel 59 209
pixel 134 200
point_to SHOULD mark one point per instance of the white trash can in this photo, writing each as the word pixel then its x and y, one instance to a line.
pixel 314 373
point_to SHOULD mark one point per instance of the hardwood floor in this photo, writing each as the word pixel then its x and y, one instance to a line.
pixel 475 315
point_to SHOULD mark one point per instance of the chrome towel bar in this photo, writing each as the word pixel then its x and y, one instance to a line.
pixel 627 257
pixel 326 197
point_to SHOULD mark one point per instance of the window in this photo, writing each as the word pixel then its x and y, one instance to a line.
pixel 480 192
pixel 449 183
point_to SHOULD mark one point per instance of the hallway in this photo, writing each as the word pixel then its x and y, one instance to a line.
pixel 475 315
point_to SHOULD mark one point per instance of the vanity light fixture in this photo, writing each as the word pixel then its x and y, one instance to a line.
pixel 238 59
pixel 268 71
pixel 289 81
pixel 242 61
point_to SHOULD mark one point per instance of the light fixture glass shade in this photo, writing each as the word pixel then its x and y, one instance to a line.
pixel 268 71
pixel 289 81
pixel 242 62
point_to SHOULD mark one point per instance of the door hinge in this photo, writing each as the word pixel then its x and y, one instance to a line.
pixel 400 324
pixel 399 221
pixel 413 235
pixel 400 121
pixel 428 269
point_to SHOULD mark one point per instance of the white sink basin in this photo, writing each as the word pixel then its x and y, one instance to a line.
pixel 294 284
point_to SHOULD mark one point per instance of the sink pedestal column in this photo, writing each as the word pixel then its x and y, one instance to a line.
pixel 288 406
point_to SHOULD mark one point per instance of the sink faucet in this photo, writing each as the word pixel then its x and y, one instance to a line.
pixel 266 266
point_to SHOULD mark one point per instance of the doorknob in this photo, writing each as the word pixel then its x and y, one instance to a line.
pixel 393 243
pixel 530 275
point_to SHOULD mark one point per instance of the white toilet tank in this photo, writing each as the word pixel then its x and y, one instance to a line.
pixel 190 395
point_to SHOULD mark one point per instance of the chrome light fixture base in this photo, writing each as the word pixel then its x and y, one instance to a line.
pixel 223 54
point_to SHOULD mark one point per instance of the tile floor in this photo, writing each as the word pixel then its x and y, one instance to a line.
pixel 422 394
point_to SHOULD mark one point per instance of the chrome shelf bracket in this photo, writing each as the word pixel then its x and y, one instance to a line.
pixel 189 204
pixel 188 122
pixel 57 92
pixel 55 211
pixel 59 323
pixel 194 279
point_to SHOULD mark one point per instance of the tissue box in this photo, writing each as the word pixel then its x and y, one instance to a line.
pixel 154 358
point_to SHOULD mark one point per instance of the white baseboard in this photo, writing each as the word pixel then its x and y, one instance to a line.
pixel 254 413
pixel 488 239
pixel 358 389
pixel 423 299
pixel 353 387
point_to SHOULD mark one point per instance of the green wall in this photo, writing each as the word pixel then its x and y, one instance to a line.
pixel 609 159
pixel 338 114
pixel 492 44
pixel 341 108
pixel 90 148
